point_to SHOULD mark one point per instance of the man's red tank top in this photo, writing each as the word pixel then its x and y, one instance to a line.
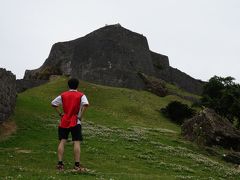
pixel 71 101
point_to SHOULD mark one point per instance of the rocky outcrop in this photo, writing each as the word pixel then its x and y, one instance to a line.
pixel 154 85
pixel 113 56
pixel 7 94
pixel 208 128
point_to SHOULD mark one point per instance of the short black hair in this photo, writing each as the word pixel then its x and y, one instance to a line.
pixel 73 83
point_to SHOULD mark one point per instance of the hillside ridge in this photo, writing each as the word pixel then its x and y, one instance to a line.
pixel 125 137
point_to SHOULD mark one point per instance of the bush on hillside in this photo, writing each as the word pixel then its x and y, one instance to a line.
pixel 178 111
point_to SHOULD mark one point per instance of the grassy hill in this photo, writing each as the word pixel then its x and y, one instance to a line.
pixel 125 137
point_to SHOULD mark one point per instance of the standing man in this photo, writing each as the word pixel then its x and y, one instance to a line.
pixel 74 104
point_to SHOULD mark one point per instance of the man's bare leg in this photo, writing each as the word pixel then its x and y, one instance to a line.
pixel 61 149
pixel 77 151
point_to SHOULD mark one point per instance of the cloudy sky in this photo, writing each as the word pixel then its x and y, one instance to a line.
pixel 200 37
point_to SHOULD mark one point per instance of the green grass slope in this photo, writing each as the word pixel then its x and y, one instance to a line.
pixel 125 137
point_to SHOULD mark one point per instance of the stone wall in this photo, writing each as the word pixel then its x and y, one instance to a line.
pixel 180 79
pixel 159 61
pixel 57 63
pixel 112 56
pixel 24 84
pixel 7 94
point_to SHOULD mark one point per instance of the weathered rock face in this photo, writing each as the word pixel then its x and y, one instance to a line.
pixel 7 94
pixel 208 128
pixel 113 56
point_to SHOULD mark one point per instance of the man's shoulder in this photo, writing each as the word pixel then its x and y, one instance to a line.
pixel 81 93
pixel 65 92
pixel 78 93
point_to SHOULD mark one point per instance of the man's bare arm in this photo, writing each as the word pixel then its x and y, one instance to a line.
pixel 56 103
pixel 57 109
pixel 83 110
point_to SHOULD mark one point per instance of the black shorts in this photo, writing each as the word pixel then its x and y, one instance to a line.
pixel 76 133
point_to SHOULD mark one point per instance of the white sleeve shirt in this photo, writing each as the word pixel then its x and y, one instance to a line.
pixel 84 101
pixel 58 101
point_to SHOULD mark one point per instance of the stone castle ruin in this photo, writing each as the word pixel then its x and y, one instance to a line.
pixel 113 56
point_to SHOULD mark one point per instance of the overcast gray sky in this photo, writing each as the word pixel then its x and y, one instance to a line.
pixel 200 37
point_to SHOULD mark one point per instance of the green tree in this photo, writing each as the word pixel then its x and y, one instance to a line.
pixel 223 95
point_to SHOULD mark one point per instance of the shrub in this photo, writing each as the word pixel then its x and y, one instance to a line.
pixel 178 111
